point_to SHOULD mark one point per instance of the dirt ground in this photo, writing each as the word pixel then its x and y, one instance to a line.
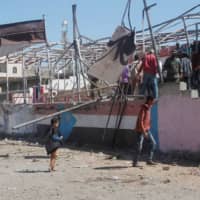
pixel 83 174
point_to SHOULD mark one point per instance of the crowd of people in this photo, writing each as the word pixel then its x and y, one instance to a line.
pixel 182 67
pixel 142 72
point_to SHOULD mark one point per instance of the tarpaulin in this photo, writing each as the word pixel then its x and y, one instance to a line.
pixel 109 67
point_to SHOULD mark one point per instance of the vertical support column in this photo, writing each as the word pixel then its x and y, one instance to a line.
pixel 50 76
pixel 143 39
pixel 197 31
pixel 24 77
pixel 64 73
pixel 81 68
pixel 37 66
pixel 83 76
pixel 74 74
pixel 186 32
pixel 77 67
pixel 152 36
pixel 154 111
pixel 154 125
pixel 197 37
pixel 39 76
pixel 58 88
pixel 7 81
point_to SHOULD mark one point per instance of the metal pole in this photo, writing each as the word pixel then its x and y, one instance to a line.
pixel 77 71
pixel 197 37
pixel 79 79
pixel 74 74
pixel 81 67
pixel 58 82
pixel 39 69
pixel 37 66
pixel 152 37
pixel 24 78
pixel 7 81
pixel 186 32
pixel 171 20
pixel 54 114
pixel 83 75
pixel 197 31
pixel 143 39
pixel 50 77
pixel 64 73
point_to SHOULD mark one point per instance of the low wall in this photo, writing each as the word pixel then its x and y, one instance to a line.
pixel 12 115
pixel 175 121
pixel 179 120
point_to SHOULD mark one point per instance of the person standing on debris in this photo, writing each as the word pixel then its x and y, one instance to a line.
pixel 136 77
pixel 142 129
pixel 125 79
pixel 94 88
pixel 172 68
pixel 150 68
pixel 54 142
pixel 186 69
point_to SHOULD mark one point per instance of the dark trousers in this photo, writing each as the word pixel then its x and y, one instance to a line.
pixel 196 80
pixel 125 88
pixel 139 146
pixel 150 84
pixel 187 80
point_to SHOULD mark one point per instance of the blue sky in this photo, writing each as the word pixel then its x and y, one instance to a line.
pixel 96 18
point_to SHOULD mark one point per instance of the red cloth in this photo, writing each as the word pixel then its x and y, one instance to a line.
pixel 149 64
pixel 144 119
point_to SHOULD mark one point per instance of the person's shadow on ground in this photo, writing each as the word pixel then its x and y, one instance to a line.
pixel 27 171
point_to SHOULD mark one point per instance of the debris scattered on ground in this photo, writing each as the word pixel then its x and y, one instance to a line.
pixel 166 181
pixel 85 174
pixel 166 168
pixel 5 156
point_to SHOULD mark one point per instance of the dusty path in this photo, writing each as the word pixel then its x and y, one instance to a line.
pixel 85 175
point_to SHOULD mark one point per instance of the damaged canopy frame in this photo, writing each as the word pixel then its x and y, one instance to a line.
pixel 47 60
pixel 179 29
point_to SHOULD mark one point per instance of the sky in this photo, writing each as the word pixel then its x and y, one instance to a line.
pixel 96 18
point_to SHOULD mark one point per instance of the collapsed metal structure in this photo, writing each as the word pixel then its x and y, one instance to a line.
pixel 50 60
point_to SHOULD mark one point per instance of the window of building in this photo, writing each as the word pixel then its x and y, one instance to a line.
pixel 3 67
pixel 14 70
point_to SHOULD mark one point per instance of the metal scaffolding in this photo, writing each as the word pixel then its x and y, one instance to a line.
pixel 48 60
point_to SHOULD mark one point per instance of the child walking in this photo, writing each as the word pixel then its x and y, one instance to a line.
pixel 54 142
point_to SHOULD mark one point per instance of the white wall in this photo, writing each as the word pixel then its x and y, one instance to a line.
pixel 59 84
pixel 10 71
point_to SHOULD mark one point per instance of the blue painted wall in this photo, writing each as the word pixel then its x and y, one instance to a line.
pixel 154 123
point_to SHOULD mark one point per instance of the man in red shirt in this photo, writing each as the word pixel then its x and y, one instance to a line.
pixel 150 68
pixel 142 129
